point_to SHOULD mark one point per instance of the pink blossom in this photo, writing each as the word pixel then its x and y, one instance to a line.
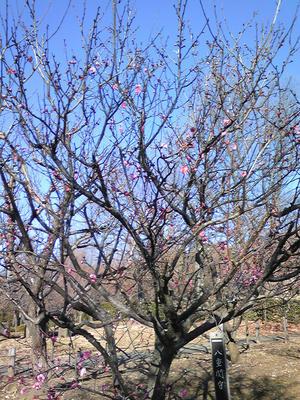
pixel 93 278
pixel 41 378
pixel 97 64
pixel 82 371
pixel 70 270
pixel 123 105
pixel 6 332
pixel 184 169
pixel 222 246
pixel 74 385
pixel 244 173
pixel 104 387
pixel 226 122
pixel 22 391
pixel 296 129
pixel 138 89
pixel 36 385
pixel 86 355
pixel 92 70
pixel 53 339
pixel 234 147
pixel 184 393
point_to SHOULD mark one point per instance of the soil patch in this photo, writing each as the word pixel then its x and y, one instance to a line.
pixel 268 370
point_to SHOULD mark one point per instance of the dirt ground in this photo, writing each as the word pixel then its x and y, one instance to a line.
pixel 269 370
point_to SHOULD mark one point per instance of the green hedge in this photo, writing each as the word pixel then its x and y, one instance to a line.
pixel 274 310
pixel 109 308
pixel 6 317
pixel 18 329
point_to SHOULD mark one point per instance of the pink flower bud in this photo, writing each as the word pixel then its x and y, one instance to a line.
pixel 184 169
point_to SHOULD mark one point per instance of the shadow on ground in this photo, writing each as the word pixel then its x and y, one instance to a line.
pixel 244 388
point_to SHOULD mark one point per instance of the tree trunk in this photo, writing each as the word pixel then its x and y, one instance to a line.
pixel 38 346
pixel 37 333
pixel 16 319
pixel 285 329
pixel 159 370
pixel 247 333
pixel 257 331
pixel 230 332
pixel 110 340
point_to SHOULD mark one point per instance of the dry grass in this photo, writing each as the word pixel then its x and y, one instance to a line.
pixel 266 371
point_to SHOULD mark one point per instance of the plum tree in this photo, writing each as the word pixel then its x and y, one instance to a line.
pixel 175 169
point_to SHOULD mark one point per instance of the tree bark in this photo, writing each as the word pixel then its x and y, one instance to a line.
pixel 285 329
pixel 159 370
pixel 37 333
pixel 110 339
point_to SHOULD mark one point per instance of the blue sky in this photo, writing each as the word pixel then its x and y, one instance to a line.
pixel 159 15
pixel 155 15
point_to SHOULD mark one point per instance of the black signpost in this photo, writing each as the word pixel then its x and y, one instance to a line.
pixel 219 362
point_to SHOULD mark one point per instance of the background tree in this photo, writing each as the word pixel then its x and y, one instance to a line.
pixel 177 172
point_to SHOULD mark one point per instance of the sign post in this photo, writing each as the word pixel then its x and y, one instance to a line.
pixel 11 362
pixel 219 363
